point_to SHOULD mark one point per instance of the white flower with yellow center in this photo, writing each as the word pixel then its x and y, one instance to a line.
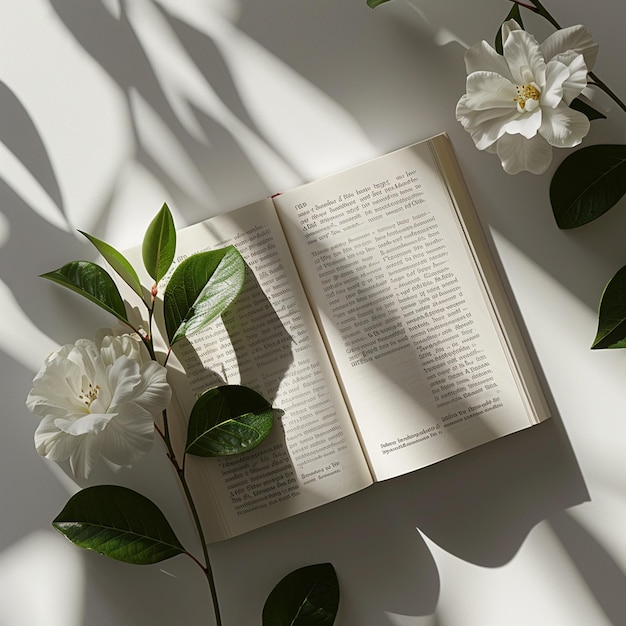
pixel 98 399
pixel 517 104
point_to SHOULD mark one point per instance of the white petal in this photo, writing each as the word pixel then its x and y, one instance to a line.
pixel 153 393
pixel 556 74
pixel 129 436
pixel 526 124
pixel 85 455
pixel 482 57
pixel 89 423
pixel 123 378
pixel 486 126
pixel 56 388
pixel 576 79
pixel 563 127
pixel 87 358
pixel 52 443
pixel 113 346
pixel 508 27
pixel 575 38
pixel 488 90
pixel 524 58
pixel 518 154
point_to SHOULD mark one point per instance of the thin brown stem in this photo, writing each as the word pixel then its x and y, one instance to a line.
pixel 206 568
pixel 526 6
pixel 601 85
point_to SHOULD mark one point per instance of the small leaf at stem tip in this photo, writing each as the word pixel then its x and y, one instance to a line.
pixel 612 314
pixel 159 244
pixel 200 289
pixel 118 262
pixel 587 184
pixel 227 420
pixel 119 523
pixel 308 596
pixel 92 282
pixel 374 3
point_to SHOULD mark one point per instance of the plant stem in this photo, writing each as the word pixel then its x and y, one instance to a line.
pixel 208 571
pixel 539 9
pixel 206 568
pixel 526 6
pixel 601 85
pixel 180 473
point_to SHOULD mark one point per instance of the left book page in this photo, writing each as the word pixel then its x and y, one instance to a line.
pixel 268 341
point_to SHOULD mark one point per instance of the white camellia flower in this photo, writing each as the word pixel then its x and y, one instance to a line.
pixel 98 399
pixel 517 104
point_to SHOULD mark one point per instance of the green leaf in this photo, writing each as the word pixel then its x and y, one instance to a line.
pixel 587 184
pixel 118 262
pixel 228 420
pixel 309 596
pixel 200 289
pixel 514 14
pixel 612 314
pixel 92 282
pixel 159 244
pixel 374 3
pixel 119 523
pixel 580 105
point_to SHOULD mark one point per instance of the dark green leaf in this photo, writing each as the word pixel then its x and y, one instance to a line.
pixel 514 14
pixel 612 314
pixel 159 244
pixel 307 597
pixel 200 289
pixel 228 420
pixel 92 282
pixel 587 184
pixel 374 3
pixel 119 523
pixel 580 105
pixel 118 262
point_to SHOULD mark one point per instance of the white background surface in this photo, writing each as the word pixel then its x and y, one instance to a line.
pixel 110 107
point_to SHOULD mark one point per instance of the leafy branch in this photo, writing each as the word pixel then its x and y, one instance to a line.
pixel 225 420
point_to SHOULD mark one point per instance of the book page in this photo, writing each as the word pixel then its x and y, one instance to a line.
pixel 393 281
pixel 268 341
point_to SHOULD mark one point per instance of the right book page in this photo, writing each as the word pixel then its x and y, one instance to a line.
pixel 409 302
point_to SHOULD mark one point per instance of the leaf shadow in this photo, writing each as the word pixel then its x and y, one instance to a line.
pixel 211 157
pixel 21 137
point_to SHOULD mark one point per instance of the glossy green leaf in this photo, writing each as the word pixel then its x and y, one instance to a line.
pixel 612 314
pixel 92 282
pixel 118 262
pixel 200 289
pixel 119 523
pixel 159 244
pixel 514 14
pixel 309 596
pixel 374 3
pixel 587 184
pixel 228 420
pixel 580 105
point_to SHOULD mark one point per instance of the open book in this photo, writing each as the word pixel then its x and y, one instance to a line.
pixel 374 320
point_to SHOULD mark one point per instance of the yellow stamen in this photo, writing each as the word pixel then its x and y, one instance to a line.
pixel 526 92
pixel 89 395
